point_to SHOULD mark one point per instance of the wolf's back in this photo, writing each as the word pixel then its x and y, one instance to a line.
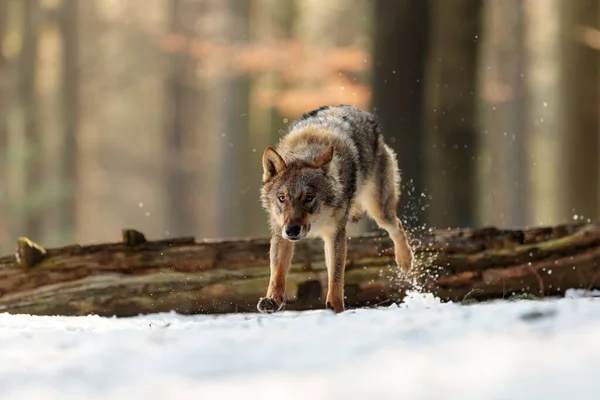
pixel 359 130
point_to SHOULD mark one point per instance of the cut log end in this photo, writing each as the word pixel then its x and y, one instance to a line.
pixel 133 238
pixel 28 253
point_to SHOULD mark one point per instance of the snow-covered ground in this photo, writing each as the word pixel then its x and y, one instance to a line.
pixel 421 350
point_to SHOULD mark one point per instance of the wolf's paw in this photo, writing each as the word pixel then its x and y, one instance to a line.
pixel 406 264
pixel 269 305
pixel 404 258
pixel 336 306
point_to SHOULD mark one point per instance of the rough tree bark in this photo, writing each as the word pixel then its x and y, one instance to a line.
pixel 217 276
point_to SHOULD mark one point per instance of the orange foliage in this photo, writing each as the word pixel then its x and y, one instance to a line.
pixel 297 100
pixel 284 56
pixel 321 71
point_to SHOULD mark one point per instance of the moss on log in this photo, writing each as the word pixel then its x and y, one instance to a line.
pixel 138 276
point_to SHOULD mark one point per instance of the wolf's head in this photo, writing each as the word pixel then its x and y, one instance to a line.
pixel 295 194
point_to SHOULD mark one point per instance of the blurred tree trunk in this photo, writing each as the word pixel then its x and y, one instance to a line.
pixel 450 111
pixel 28 102
pixel 400 52
pixel 563 110
pixel 271 21
pixel 192 133
pixel 237 201
pixel 501 168
pixel 38 124
pixel 122 157
pixel 47 70
pixel 539 115
pixel 5 95
pixel 580 85
pixel 335 23
pixel 331 25
pixel 69 116
pixel 22 140
pixel 544 126
pixel 179 178
pixel 56 91
pixel 223 201
pixel 214 113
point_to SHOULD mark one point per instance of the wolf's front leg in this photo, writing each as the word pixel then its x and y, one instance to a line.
pixel 281 254
pixel 335 258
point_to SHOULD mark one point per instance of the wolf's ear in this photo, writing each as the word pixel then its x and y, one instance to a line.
pixel 273 164
pixel 324 158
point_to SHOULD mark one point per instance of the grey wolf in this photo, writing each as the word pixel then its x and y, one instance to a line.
pixel 330 168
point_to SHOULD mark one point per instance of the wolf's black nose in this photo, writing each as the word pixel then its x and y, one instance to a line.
pixel 292 230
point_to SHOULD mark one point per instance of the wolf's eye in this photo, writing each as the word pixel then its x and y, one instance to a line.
pixel 309 198
pixel 281 198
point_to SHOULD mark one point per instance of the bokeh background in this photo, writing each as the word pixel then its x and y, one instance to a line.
pixel 153 114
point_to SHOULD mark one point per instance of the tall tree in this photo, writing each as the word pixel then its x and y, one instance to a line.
pixel 47 98
pixel 539 114
pixel 399 59
pixel 450 111
pixel 501 168
pixel 178 180
pixel 56 97
pixel 23 146
pixel 212 109
pixel 271 22
pixel 324 28
pixel 237 200
pixel 580 91
pixel 191 127
pixel 69 115
pixel 5 84
pixel 545 111
pixel 122 157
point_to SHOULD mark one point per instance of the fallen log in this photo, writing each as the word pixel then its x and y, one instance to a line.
pixel 189 276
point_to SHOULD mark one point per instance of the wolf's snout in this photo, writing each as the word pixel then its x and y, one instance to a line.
pixel 293 230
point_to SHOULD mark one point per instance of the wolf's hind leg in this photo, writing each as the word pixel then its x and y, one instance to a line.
pixel 356 213
pixel 381 201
